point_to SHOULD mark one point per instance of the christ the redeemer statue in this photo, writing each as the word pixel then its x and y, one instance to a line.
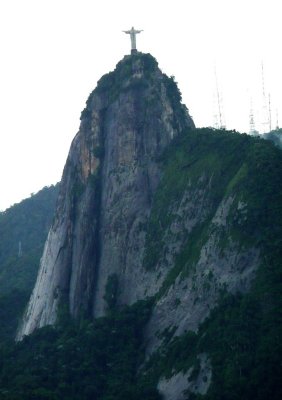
pixel 133 32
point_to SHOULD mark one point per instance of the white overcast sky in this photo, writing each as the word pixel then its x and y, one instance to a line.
pixel 54 51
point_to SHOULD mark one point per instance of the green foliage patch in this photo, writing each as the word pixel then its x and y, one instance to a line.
pixel 122 79
pixel 275 136
pixel 27 222
pixel 85 360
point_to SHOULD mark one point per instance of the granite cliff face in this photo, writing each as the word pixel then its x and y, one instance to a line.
pixel 108 183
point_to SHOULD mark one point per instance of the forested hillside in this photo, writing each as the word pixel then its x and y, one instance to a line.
pixel 23 231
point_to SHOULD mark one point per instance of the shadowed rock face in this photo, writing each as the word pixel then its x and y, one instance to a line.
pixel 106 193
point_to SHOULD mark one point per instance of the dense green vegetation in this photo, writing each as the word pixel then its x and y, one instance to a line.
pixel 82 360
pixel 27 222
pixel 122 79
pixel 275 136
pixel 104 359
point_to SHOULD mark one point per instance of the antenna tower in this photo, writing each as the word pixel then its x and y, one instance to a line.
pixel 253 130
pixel 265 105
pixel 269 112
pixel 219 103
pixel 215 114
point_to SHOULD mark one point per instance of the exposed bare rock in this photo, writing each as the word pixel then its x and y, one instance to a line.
pixel 180 385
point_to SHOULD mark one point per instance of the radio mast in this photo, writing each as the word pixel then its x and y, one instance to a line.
pixel 277 119
pixel 269 113
pixel 253 130
pixel 265 122
pixel 219 113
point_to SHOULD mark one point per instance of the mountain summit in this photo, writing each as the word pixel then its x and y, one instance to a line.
pixel 106 193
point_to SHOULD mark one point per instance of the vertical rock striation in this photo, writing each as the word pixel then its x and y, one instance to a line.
pixel 106 194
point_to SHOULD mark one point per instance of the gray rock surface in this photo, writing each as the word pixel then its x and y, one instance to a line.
pixel 180 385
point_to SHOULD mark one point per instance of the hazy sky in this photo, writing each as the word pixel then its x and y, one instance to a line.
pixel 54 51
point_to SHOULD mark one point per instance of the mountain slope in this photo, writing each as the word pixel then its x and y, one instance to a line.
pixel 27 222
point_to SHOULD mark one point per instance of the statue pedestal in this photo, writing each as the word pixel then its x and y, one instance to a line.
pixel 133 51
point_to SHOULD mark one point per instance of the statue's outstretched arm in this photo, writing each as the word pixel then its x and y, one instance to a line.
pixel 126 31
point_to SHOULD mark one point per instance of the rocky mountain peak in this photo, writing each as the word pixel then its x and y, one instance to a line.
pixel 111 174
